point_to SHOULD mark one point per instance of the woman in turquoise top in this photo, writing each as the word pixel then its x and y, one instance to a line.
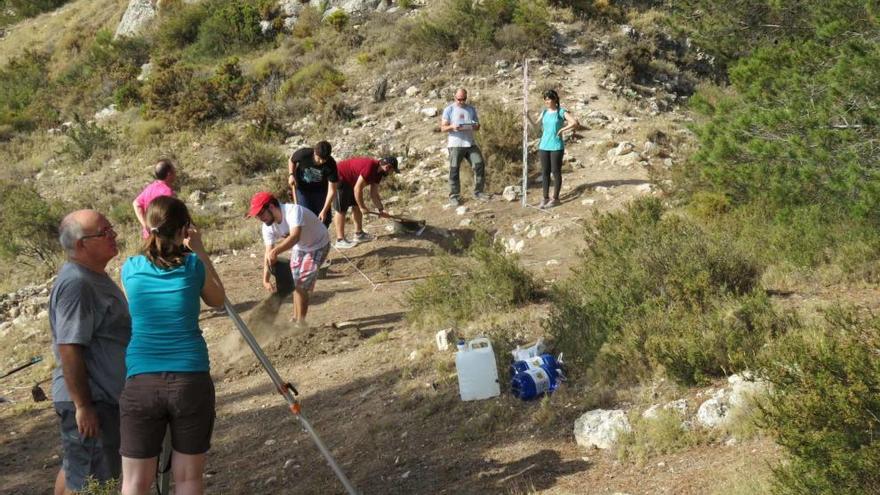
pixel 168 381
pixel 555 120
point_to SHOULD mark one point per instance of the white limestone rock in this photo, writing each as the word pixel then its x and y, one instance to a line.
pixel 599 428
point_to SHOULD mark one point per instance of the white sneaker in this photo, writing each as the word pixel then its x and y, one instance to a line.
pixel 344 244
pixel 363 237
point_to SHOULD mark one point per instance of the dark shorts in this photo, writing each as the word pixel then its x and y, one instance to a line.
pixel 152 401
pixel 283 276
pixel 344 198
pixel 84 457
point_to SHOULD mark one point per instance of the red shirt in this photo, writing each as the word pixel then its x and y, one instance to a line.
pixel 359 166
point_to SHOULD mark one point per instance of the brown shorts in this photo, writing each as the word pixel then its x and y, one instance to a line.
pixel 151 401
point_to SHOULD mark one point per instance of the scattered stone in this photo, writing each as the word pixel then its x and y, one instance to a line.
pixel 411 91
pixel 433 94
pixel 549 230
pixel 269 442
pixel 146 70
pixel 107 113
pixel 465 222
pixel 197 197
pixel 429 111
pixel 461 210
pixel 599 428
pixel 643 188
pixel 265 27
pixel 405 475
pixel 514 246
pixel 511 193
pixel 588 202
pixel 651 148
pixel 502 64
pixel 413 355
pixel 552 262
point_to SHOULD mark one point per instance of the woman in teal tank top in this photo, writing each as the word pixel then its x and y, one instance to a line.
pixel 168 383
pixel 555 120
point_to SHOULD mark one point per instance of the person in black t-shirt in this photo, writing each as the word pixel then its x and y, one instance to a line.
pixel 313 179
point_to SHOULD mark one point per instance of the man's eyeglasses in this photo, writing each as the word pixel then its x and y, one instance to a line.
pixel 461 99
pixel 107 232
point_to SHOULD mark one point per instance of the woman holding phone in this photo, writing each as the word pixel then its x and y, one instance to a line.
pixel 168 381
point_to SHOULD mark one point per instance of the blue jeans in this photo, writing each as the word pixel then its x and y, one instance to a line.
pixel 475 157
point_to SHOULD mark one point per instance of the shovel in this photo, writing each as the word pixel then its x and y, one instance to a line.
pixel 405 225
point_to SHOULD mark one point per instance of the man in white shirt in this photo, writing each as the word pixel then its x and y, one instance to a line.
pixel 287 226
pixel 460 121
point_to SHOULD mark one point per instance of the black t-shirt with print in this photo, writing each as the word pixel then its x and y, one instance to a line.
pixel 309 175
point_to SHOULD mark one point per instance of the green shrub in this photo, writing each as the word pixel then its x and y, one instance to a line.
pixel 12 11
pixel 637 263
pixel 762 143
pixel 483 281
pixel 824 404
pixel 691 346
pixel 500 132
pixel 248 156
pixel 20 82
pixel 179 24
pixel 84 139
pixel 176 92
pixel 127 95
pixel 318 81
pixel 231 26
pixel 473 27
pixel 337 20
pixel 28 227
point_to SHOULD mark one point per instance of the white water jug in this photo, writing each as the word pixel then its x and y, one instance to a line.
pixel 477 372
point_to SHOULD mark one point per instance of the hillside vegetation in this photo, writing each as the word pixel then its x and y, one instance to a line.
pixel 780 195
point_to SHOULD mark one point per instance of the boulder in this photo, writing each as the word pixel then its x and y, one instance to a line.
pixel 599 428
pixel 511 193
pixel 714 412
pixel 743 388
pixel 137 18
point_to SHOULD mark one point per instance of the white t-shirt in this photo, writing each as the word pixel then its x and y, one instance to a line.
pixel 313 234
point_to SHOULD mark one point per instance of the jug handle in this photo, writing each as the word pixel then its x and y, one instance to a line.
pixel 475 343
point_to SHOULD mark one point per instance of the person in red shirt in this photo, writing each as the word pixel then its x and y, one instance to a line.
pixel 354 175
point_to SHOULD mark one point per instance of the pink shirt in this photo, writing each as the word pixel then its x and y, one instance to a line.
pixel 151 192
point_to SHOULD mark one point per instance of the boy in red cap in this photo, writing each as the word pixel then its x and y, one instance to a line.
pixel 287 226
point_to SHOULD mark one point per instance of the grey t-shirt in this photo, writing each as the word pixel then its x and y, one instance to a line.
pixel 464 116
pixel 89 309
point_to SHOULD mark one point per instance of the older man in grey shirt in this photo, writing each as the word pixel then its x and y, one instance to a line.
pixel 91 328
pixel 460 121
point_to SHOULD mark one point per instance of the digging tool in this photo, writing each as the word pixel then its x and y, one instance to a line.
pixel 288 391
pixel 408 224
pixel 37 393
pixel 34 360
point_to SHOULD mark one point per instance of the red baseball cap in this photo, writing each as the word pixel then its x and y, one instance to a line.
pixel 258 202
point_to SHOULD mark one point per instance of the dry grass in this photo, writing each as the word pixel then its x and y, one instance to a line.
pixel 51 31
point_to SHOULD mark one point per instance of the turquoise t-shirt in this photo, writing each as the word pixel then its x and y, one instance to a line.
pixel 164 307
pixel 551 122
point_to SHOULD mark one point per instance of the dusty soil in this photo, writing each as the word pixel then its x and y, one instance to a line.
pixel 383 398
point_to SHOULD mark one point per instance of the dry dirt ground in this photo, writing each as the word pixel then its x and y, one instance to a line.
pixel 383 398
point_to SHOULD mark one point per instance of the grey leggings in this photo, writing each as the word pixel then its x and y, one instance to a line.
pixel 551 160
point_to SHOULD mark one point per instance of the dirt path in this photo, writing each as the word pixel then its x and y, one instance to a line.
pixel 384 400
